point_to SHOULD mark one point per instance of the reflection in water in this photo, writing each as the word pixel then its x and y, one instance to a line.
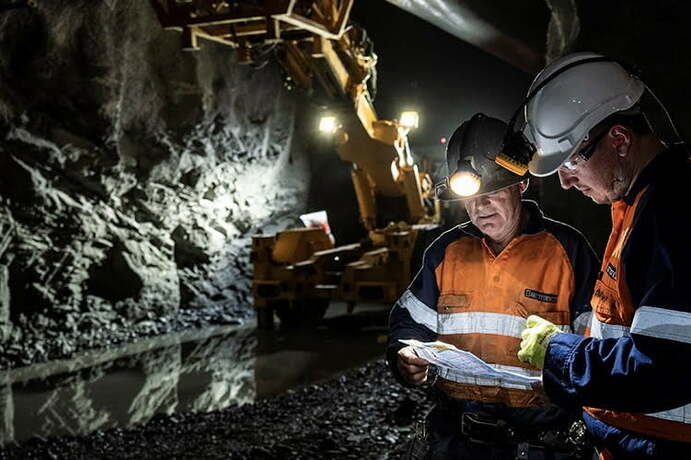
pixel 227 378
pixel 70 409
pixel 6 410
pixel 205 375
pixel 188 372
pixel 158 394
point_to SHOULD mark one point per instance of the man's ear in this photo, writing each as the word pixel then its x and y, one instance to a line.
pixel 523 185
pixel 621 139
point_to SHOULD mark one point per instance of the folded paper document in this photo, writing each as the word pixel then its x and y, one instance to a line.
pixel 463 366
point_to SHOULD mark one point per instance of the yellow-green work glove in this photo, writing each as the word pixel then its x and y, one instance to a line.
pixel 536 337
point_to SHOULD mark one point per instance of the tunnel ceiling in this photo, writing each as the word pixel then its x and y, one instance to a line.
pixel 651 35
pixel 512 31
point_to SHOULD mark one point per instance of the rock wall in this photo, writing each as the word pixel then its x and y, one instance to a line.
pixel 132 176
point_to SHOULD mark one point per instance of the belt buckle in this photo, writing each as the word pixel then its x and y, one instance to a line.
pixel 473 427
pixel 523 451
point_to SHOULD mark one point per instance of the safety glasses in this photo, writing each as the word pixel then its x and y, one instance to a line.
pixel 584 154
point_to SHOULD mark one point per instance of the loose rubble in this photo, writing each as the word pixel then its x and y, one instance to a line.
pixel 35 345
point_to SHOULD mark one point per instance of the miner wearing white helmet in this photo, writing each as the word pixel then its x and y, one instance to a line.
pixel 478 283
pixel 633 374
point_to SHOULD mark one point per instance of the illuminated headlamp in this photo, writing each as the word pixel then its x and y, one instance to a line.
pixel 466 180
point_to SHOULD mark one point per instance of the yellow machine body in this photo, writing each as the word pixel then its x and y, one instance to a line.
pixel 298 271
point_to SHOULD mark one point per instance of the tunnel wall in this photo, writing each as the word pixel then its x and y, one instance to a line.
pixel 132 176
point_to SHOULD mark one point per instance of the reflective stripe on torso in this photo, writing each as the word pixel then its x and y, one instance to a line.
pixel 484 300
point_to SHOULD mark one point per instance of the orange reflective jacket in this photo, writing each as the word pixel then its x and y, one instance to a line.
pixel 613 315
pixel 478 301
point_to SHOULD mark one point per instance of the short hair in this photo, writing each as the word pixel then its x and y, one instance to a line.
pixel 632 118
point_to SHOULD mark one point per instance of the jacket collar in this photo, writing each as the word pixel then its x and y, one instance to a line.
pixel 658 167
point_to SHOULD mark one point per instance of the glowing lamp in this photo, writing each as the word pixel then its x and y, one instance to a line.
pixel 465 181
pixel 328 125
pixel 409 119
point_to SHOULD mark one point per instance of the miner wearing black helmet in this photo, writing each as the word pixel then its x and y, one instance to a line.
pixel 478 283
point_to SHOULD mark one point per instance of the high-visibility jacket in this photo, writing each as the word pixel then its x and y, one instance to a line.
pixel 634 374
pixel 466 295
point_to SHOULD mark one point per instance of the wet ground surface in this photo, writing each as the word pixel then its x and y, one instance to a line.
pixel 180 390
pixel 362 414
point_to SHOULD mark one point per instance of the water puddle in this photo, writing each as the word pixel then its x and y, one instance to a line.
pixel 194 371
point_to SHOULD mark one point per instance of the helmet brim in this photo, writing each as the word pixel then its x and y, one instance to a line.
pixel 545 166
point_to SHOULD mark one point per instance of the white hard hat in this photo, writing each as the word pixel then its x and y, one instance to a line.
pixel 572 102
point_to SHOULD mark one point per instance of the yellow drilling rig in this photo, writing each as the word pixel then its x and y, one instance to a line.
pixel 297 272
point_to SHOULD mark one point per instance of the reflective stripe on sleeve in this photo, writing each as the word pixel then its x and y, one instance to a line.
pixel 484 323
pixel 599 330
pixel 680 414
pixel 421 313
pixel 662 323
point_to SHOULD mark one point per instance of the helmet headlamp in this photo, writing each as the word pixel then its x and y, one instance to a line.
pixel 466 180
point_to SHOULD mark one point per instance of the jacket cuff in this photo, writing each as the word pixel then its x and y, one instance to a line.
pixel 556 374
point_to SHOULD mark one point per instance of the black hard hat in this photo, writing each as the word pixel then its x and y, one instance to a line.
pixel 474 146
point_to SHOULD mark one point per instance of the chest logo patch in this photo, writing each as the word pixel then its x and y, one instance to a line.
pixel 611 271
pixel 541 296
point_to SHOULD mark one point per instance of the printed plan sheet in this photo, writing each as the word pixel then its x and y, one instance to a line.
pixel 464 366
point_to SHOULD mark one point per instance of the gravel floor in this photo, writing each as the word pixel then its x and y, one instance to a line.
pixel 362 414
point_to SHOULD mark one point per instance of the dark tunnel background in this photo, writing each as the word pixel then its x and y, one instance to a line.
pixel 133 174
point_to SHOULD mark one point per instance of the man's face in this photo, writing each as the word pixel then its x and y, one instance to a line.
pixel 600 177
pixel 497 214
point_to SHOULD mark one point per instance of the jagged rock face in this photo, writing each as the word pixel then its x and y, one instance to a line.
pixel 132 174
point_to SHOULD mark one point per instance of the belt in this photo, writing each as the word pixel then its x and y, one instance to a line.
pixel 486 430
pixel 572 440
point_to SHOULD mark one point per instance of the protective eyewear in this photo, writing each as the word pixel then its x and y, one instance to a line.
pixel 584 154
